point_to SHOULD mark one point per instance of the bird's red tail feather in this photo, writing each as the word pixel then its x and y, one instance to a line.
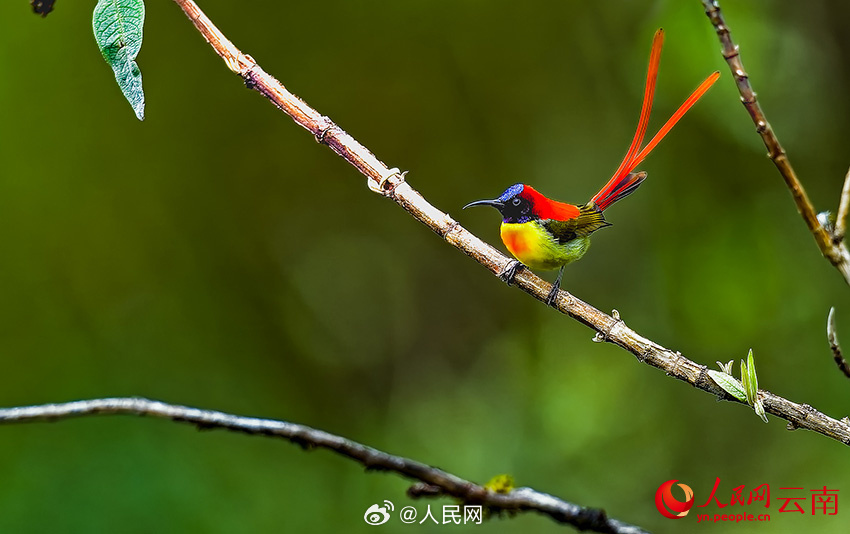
pixel 622 188
pixel 624 180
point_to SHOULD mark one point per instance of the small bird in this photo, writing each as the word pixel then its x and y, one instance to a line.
pixel 546 234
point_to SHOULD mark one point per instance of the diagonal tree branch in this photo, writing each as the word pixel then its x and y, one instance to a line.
pixel 520 499
pixel 391 183
pixel 831 244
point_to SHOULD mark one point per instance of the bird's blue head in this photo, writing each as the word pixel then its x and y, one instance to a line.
pixel 516 204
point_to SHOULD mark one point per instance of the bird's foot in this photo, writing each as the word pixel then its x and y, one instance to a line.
pixel 508 275
pixel 553 293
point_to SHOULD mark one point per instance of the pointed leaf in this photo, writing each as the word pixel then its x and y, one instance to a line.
pixel 726 367
pixel 729 384
pixel 117 28
pixel 752 379
pixel 745 382
pixel 759 408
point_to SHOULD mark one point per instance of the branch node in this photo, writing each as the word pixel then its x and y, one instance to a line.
pixel 601 337
pixel 728 54
pixel 454 226
pixel 386 184
pixel 325 124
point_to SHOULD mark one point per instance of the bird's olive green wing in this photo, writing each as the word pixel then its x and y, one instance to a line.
pixel 590 219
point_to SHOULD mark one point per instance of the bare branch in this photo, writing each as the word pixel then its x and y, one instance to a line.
pixel 831 245
pixel 832 336
pixel 520 499
pixel 843 209
pixel 391 183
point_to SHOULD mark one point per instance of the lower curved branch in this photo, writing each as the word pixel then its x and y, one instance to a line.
pixel 520 499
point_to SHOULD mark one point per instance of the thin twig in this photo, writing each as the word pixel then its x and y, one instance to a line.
pixel 832 337
pixel 391 183
pixel 520 499
pixel 831 246
pixel 843 210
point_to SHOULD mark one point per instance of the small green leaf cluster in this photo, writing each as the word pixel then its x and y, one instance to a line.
pixel 745 390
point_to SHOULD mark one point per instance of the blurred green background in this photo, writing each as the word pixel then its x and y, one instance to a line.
pixel 215 255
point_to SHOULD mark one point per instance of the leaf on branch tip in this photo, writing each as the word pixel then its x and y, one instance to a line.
pixel 726 367
pixel 118 28
pixel 42 7
pixel 729 384
pixel 500 484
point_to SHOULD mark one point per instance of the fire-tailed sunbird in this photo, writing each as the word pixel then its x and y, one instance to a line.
pixel 546 234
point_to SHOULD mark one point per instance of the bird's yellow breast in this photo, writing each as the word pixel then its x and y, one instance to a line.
pixel 536 248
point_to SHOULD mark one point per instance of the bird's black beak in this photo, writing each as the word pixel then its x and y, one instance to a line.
pixel 498 204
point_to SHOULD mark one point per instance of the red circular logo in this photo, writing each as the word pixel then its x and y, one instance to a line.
pixel 668 505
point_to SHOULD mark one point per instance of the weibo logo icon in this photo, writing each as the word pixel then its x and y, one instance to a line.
pixel 668 505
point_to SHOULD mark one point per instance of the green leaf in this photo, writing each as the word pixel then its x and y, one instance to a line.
pixel 752 379
pixel 759 408
pixel 729 384
pixel 117 28
pixel 726 367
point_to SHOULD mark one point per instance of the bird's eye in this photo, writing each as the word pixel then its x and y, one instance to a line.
pixel 516 202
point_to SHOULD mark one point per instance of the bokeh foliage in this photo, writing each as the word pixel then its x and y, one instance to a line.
pixel 216 256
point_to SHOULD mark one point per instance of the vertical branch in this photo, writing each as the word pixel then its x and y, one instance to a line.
pixel 831 246
pixel 843 209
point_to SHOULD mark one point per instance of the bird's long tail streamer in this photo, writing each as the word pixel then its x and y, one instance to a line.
pixel 624 181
